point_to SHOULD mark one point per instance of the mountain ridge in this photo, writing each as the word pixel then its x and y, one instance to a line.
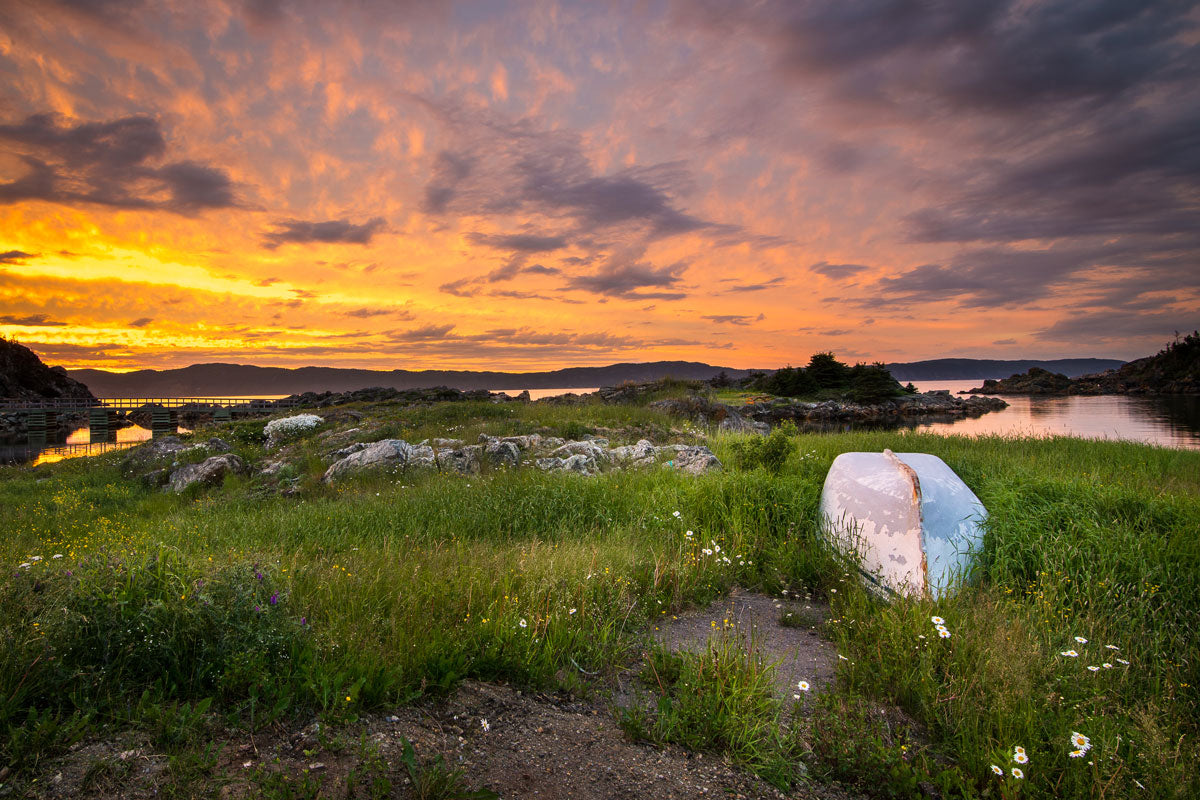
pixel 220 379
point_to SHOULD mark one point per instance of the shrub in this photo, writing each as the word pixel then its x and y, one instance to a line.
pixel 287 427
pixel 769 452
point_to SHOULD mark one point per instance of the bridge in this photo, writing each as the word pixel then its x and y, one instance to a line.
pixel 42 414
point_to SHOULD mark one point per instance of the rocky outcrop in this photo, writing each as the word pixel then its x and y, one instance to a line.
pixel 1035 381
pixel 392 453
pixel 548 453
pixel 209 472
pixel 1173 370
pixel 23 376
pixel 156 462
pixel 694 460
pixel 759 416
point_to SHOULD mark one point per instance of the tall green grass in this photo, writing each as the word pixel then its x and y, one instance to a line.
pixel 394 585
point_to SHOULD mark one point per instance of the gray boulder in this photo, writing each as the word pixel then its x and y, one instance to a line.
pixel 634 455
pixel 384 453
pixel 695 460
pixel 464 460
pixel 582 464
pixel 349 450
pixel 209 472
pixel 503 454
pixel 591 450
pixel 163 453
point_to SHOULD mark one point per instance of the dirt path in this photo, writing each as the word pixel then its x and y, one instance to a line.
pixel 517 744
pixel 797 649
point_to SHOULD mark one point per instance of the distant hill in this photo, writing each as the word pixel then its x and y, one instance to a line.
pixel 963 369
pixel 218 380
pixel 213 380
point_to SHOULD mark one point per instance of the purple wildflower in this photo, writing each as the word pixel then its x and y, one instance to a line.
pixel 258 575
pixel 275 598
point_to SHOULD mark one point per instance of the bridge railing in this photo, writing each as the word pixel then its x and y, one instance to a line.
pixel 131 403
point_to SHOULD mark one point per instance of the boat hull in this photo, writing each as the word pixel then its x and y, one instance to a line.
pixel 909 518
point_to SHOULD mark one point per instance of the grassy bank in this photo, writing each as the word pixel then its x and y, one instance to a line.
pixel 239 606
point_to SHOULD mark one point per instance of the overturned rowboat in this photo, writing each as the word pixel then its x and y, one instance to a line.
pixel 913 523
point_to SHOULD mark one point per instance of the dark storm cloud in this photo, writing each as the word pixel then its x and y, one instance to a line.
pixel 838 271
pixel 1117 327
pixel 449 170
pixel 1139 174
pixel 141 322
pixel 195 185
pixel 32 321
pixel 424 333
pixel 109 163
pixel 367 313
pixel 1003 276
pixel 542 269
pixel 299 231
pixel 520 242
pixel 1004 56
pixel 757 287
pixel 734 319
pixel 500 167
pixel 1075 123
pixel 628 279
pixel 15 256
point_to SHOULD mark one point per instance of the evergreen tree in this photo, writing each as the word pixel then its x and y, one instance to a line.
pixel 872 384
pixel 827 372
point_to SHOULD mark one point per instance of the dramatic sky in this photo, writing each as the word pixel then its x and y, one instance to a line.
pixel 540 184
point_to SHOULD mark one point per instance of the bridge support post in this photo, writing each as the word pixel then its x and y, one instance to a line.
pixel 42 427
pixel 102 425
pixel 163 421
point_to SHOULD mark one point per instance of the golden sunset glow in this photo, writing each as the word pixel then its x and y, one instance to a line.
pixel 532 186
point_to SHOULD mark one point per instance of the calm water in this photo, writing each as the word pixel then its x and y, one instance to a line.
pixel 1165 421
pixel 1170 421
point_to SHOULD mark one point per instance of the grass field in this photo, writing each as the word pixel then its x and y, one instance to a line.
pixel 122 607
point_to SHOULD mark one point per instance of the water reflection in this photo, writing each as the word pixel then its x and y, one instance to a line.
pixel 78 443
pixel 1167 420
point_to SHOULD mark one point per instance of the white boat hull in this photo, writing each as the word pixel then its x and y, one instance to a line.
pixel 909 518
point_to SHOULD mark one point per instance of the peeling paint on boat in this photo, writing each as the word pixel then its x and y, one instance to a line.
pixel 911 519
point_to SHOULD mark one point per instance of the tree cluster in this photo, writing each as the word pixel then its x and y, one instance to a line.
pixel 825 375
